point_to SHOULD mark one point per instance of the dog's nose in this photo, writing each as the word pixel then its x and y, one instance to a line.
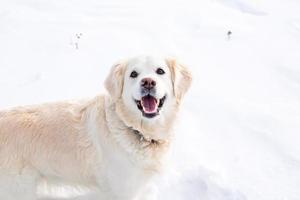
pixel 148 83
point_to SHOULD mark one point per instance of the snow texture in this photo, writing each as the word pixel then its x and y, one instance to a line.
pixel 238 136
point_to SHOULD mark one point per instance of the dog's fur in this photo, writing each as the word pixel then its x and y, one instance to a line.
pixel 104 143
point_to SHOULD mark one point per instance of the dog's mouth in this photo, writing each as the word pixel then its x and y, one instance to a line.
pixel 150 106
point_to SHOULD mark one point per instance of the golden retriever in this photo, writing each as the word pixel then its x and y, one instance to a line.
pixel 115 142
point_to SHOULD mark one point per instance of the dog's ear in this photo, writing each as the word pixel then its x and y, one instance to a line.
pixel 114 81
pixel 181 77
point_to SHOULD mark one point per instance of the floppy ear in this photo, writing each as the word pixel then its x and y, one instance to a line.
pixel 181 78
pixel 115 79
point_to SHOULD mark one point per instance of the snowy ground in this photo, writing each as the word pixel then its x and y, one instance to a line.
pixel 238 136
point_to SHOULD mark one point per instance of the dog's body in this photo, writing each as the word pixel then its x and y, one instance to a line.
pixel 114 143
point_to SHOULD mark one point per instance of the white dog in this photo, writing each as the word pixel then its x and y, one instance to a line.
pixel 114 142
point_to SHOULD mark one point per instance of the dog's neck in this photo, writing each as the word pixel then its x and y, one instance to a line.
pixel 117 126
pixel 142 138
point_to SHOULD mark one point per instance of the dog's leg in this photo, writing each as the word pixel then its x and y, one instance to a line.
pixel 15 186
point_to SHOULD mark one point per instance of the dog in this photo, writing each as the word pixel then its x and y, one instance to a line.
pixel 115 143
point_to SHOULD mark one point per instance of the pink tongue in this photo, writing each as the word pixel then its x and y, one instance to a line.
pixel 149 104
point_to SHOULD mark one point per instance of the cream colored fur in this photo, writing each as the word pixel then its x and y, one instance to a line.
pixel 88 143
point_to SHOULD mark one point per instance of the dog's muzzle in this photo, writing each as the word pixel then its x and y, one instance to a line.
pixel 149 105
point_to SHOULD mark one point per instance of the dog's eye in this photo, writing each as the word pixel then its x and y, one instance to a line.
pixel 160 71
pixel 134 74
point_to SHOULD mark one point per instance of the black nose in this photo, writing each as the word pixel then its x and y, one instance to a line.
pixel 148 83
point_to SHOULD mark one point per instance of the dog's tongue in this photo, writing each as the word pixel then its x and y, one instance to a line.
pixel 149 104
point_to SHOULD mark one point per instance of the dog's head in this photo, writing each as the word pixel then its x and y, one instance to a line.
pixel 147 91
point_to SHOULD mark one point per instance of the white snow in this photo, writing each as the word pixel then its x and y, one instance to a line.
pixel 238 136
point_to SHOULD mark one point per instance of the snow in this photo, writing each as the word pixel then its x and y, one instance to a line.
pixel 238 132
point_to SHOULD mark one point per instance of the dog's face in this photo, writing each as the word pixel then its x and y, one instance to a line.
pixel 147 90
pixel 147 87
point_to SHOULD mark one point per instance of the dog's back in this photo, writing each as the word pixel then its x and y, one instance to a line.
pixel 44 141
